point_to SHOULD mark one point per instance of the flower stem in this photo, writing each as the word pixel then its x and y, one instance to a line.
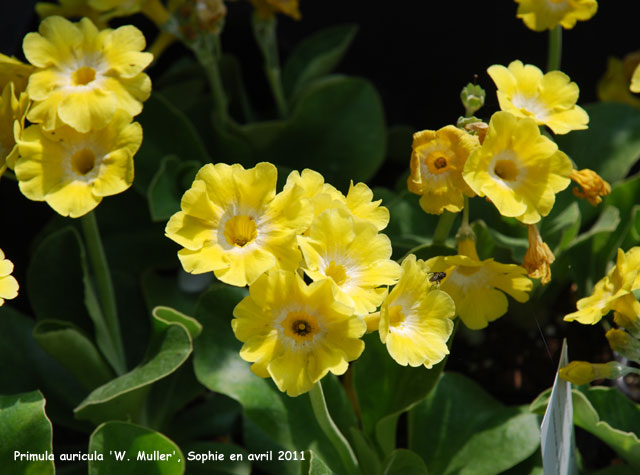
pixel 264 30
pixel 339 442
pixel 555 49
pixel 105 291
pixel 207 50
pixel 444 227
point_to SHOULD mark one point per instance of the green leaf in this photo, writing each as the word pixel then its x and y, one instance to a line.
pixel 561 229
pixel 611 144
pixel 143 451
pixel 25 366
pixel 367 456
pixel 25 428
pixel 74 351
pixel 169 315
pixel 316 56
pixel 274 419
pixel 122 397
pixel 313 465
pixel 168 185
pixel 460 429
pixel 167 131
pixel 399 389
pixel 214 458
pixel 404 462
pixel 336 128
pixel 163 289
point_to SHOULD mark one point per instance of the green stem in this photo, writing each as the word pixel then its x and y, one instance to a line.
pixel 264 31
pixel 207 50
pixel 443 228
pixel 555 49
pixel 332 432
pixel 105 290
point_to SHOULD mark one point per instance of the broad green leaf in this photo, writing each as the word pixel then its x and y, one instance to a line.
pixel 315 465
pixel 166 131
pixel 167 186
pixel 213 416
pixel 122 397
pixel 25 428
pixel 511 246
pixel 316 56
pixel 274 419
pixel 611 144
pixel 74 351
pixel 401 387
pixel 163 289
pixel 170 315
pixel 216 459
pixel 25 366
pixel 460 429
pixel 404 462
pixel 366 454
pixel 132 449
pixel 561 229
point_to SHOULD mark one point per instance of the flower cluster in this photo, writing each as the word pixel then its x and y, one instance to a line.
pixel 234 224
pixel 81 90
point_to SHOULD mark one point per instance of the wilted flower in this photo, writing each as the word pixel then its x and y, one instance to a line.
pixel 549 99
pixel 539 257
pixel 517 168
pixel 592 184
pixel 296 333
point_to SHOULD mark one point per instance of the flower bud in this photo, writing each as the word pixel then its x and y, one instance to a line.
pixel 623 343
pixel 582 372
pixel 472 97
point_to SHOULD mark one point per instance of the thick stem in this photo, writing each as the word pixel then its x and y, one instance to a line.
pixel 207 51
pixel 106 293
pixel 443 228
pixel 332 432
pixel 555 49
pixel 264 30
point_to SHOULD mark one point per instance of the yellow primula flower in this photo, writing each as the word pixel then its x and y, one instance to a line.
pixel 359 200
pixel 73 171
pixel 84 75
pixel 296 333
pixel 582 372
pixel 8 284
pixel 266 9
pixel 71 9
pixel 12 108
pixel 14 71
pixel 437 161
pixel 539 257
pixel 613 292
pixel 353 255
pixel 478 287
pixel 550 99
pixel 415 318
pixel 592 184
pixel 540 15
pixel 232 223
pixel 517 168
pixel 617 83
pixel 153 9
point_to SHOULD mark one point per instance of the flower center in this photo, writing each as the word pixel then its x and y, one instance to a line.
pixel 506 170
pixel 337 272
pixel 83 76
pixel 83 161
pixel 437 162
pixel 396 317
pixel 530 106
pixel 240 230
pixel 467 270
pixel 300 326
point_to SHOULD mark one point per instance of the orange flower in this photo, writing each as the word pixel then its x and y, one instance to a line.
pixel 539 257
pixel 593 186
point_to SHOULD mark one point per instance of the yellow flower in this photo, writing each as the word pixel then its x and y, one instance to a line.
pixel 517 168
pixel 17 72
pixel 153 9
pixel 72 171
pixel 415 319
pixel 296 333
pixel 593 186
pixel 12 108
pixel 540 15
pixel 624 344
pixel 635 80
pixel 359 200
pixel 8 284
pixel 539 257
pixel 477 287
pixel 353 255
pixel 549 99
pixel 617 82
pixel 582 372
pixel 233 223
pixel 612 292
pixel 268 8
pixel 437 160
pixel 84 75
pixel 70 9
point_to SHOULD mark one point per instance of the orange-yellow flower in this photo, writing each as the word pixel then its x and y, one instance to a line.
pixel 539 257
pixel 592 184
